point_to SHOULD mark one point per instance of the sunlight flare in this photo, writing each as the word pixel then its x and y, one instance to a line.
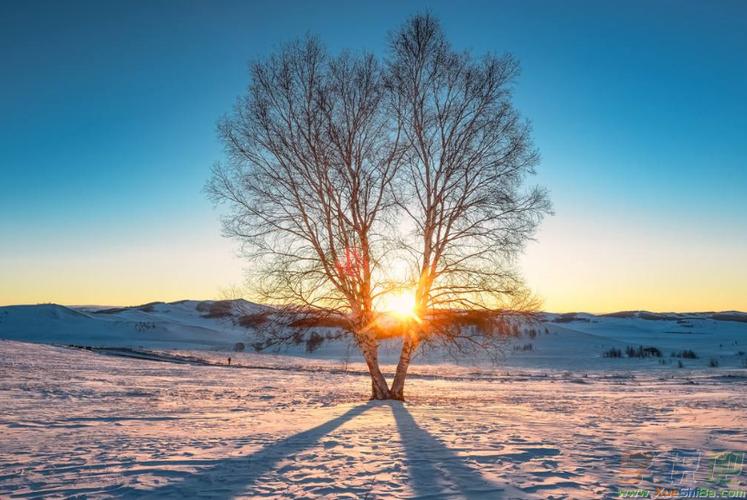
pixel 400 303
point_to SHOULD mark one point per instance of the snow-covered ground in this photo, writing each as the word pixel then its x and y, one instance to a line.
pixel 74 422
pixel 155 411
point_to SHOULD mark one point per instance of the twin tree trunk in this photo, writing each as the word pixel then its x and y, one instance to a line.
pixel 398 384
pixel 379 388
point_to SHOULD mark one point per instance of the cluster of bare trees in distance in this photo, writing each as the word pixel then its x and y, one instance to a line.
pixel 349 176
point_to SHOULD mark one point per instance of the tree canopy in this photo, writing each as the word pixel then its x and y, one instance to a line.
pixel 347 177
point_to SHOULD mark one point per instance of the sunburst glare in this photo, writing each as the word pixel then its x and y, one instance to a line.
pixel 400 304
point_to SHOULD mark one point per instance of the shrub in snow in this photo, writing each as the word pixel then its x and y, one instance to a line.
pixel 219 309
pixel 612 353
pixel 253 320
pixel 524 348
pixel 686 354
pixel 297 337
pixel 642 352
pixel 313 342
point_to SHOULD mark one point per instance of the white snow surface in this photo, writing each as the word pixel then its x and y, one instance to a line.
pixel 75 423
pixel 150 408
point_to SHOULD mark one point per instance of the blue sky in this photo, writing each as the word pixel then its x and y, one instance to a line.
pixel 107 133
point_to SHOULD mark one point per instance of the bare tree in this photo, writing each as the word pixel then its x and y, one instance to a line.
pixel 324 152
pixel 468 154
pixel 311 155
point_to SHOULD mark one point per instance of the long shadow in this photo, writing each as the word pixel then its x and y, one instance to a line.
pixel 232 476
pixel 435 470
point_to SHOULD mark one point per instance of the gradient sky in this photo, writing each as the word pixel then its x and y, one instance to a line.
pixel 107 133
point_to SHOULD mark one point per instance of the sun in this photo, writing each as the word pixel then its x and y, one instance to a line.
pixel 400 304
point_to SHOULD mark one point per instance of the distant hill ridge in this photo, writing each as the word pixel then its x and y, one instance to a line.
pixel 241 303
pixel 654 316
pixel 563 341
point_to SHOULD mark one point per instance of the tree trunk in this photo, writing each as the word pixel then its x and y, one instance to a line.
pixel 379 387
pixel 398 385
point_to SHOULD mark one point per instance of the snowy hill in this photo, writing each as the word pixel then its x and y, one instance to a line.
pixel 575 341
pixel 176 325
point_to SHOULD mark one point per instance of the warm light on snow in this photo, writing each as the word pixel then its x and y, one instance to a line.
pixel 400 303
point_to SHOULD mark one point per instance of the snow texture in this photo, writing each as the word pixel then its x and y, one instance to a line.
pixel 161 414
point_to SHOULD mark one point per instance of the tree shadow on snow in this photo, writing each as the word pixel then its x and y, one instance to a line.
pixel 230 477
pixel 434 469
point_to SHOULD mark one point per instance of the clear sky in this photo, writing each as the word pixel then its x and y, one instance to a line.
pixel 107 133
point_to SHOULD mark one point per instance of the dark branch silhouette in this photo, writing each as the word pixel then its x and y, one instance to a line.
pixel 311 156
pixel 468 153
pixel 341 169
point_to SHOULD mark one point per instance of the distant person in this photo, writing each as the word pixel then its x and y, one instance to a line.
pixel 229 361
